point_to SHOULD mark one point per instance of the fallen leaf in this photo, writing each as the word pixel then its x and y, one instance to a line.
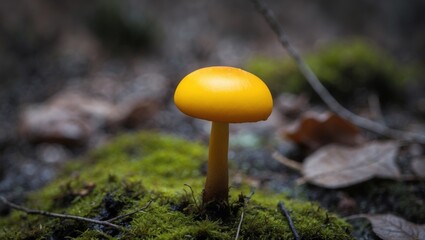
pixel 314 130
pixel 390 227
pixel 336 166
pixel 54 125
pixel 67 118
pixel 418 167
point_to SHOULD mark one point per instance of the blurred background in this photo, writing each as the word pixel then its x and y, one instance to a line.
pixel 75 73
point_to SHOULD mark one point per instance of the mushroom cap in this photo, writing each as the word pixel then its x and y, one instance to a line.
pixel 224 94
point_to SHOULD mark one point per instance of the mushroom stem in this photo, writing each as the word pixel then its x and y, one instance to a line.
pixel 216 185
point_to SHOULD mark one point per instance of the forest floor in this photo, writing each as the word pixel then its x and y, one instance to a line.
pixel 70 88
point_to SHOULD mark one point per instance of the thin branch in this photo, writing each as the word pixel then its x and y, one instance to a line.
pixel 285 213
pixel 130 213
pixel 243 214
pixel 58 215
pixel 239 225
pixel 324 94
pixel 287 162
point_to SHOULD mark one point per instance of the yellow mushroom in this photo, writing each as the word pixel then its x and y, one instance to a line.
pixel 222 95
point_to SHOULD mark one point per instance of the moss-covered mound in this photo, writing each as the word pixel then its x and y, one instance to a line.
pixel 126 174
pixel 351 70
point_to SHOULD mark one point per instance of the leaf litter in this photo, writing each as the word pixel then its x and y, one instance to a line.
pixel 314 130
pixel 418 167
pixel 337 166
pixel 390 227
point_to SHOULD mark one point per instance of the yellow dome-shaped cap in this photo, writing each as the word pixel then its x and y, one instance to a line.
pixel 224 94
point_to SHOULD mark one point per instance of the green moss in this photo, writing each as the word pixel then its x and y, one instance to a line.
pixel 134 169
pixel 348 68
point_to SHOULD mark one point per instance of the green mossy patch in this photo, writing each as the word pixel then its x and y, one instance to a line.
pixel 134 169
pixel 350 70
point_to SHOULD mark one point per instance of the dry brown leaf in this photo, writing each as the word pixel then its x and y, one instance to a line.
pixel 336 166
pixel 68 118
pixel 314 130
pixel 418 167
pixel 390 227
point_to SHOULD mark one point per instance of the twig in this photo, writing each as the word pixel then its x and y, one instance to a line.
pixel 324 94
pixel 285 213
pixel 58 215
pixel 242 214
pixel 287 162
pixel 193 196
pixel 130 213
pixel 247 198
pixel 356 216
